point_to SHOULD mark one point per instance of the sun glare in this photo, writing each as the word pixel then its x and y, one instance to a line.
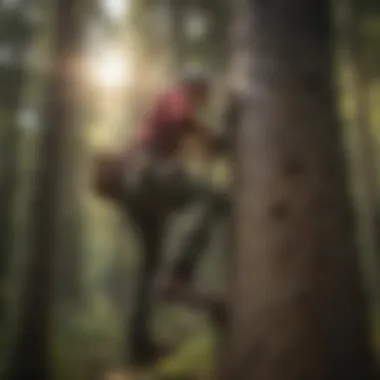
pixel 116 9
pixel 113 69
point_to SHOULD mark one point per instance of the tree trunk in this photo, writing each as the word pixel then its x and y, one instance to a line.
pixel 71 214
pixel 69 263
pixel 17 34
pixel 364 165
pixel 31 357
pixel 297 309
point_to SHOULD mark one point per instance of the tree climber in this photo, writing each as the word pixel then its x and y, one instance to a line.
pixel 147 179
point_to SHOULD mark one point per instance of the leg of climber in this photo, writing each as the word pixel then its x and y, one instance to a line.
pixel 177 286
pixel 143 349
pixel 192 248
pixel 128 190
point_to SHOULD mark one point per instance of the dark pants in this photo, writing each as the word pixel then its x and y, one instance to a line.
pixel 150 196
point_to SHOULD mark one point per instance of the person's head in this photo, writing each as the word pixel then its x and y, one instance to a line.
pixel 197 85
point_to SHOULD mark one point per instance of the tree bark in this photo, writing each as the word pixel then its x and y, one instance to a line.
pixel 31 357
pixel 297 308
pixel 365 171
pixel 16 32
pixel 71 213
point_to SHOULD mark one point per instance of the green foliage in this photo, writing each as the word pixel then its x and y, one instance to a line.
pixel 85 338
pixel 194 358
pixel 371 36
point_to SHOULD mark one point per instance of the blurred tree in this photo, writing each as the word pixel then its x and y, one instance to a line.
pixel 69 263
pixel 297 309
pixel 15 36
pixel 32 353
pixel 354 48
pixel 74 179
pixel 73 185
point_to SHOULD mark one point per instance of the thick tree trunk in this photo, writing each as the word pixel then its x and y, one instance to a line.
pixel 297 309
pixel 31 357
pixel 17 34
